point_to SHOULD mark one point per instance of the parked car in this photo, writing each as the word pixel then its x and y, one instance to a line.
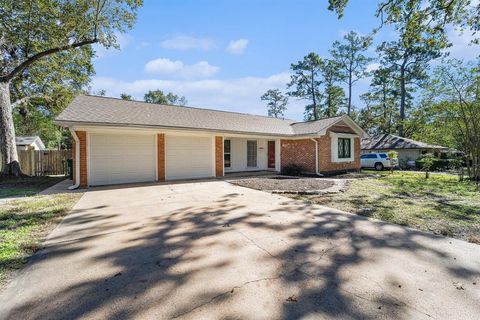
pixel 379 161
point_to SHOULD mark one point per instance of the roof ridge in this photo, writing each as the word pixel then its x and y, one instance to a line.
pixel 188 107
pixel 308 121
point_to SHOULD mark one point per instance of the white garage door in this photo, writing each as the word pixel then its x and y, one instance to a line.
pixel 121 158
pixel 188 157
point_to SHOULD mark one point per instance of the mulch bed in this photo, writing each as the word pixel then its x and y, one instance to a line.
pixel 284 184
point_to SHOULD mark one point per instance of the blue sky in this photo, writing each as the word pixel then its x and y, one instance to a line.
pixel 226 54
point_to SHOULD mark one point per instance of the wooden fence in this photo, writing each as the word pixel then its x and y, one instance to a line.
pixel 44 162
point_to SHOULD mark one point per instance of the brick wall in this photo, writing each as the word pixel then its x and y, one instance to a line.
pixel 325 156
pixel 82 137
pixel 74 162
pixel 300 152
pixel 218 156
pixel 161 157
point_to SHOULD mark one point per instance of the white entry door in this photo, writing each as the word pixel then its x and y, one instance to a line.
pixel 121 158
pixel 189 157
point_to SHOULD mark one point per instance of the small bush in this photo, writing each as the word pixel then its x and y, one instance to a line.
pixel 292 170
pixel 436 163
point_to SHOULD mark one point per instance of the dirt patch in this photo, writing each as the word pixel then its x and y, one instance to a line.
pixel 285 184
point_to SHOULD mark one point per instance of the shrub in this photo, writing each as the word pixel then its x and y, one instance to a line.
pixel 292 169
pixel 437 164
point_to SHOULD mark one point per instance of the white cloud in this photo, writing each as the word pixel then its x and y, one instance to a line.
pixel 164 66
pixel 187 42
pixel 239 94
pixel 373 66
pixel 237 46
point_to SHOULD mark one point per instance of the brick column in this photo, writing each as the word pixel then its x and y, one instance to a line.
pixel 161 157
pixel 74 162
pixel 82 137
pixel 219 156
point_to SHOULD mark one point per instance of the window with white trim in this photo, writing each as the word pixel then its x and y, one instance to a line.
pixel 227 153
pixel 251 153
pixel 344 148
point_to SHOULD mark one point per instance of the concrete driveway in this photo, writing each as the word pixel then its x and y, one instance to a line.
pixel 211 250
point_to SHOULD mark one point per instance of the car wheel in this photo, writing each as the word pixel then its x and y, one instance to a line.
pixel 378 166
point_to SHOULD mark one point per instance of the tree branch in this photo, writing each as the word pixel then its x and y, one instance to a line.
pixel 26 99
pixel 42 54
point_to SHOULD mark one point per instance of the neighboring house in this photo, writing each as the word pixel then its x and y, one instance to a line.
pixel 29 143
pixel 407 149
pixel 119 141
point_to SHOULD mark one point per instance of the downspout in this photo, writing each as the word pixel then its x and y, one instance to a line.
pixel 317 172
pixel 77 161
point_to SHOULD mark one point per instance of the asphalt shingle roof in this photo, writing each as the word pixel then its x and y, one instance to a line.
pixel 390 141
pixel 112 111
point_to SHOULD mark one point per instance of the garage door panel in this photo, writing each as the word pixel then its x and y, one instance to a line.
pixel 188 157
pixel 122 158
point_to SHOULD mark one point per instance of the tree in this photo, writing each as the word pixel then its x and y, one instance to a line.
pixel 455 91
pixel 408 57
pixel 382 111
pixel 277 103
pixel 306 81
pixel 334 95
pixel 157 96
pixel 31 31
pixel 438 13
pixel 352 62
pixel 125 96
pixel 51 84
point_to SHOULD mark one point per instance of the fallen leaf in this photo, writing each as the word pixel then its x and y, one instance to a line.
pixel 292 298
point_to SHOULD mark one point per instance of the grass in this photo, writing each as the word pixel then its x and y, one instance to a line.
pixel 28 186
pixel 24 225
pixel 440 204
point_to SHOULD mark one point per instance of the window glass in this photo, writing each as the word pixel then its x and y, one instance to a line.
pixel 251 153
pixel 383 155
pixel 227 163
pixel 372 156
pixel 226 146
pixel 344 148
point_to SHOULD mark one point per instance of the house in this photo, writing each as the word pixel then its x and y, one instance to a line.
pixel 29 143
pixel 119 141
pixel 407 149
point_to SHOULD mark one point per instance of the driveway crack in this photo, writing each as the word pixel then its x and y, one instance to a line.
pixel 231 291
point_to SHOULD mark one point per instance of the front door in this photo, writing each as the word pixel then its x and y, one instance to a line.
pixel 271 154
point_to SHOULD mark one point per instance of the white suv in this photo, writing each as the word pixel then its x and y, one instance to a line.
pixel 379 161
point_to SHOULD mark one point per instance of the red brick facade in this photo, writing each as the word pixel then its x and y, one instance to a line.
pixel 82 137
pixel 302 152
pixel 218 156
pixel 161 157
pixel 74 162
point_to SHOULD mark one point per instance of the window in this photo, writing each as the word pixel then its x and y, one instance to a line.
pixel 227 155
pixel 383 155
pixel 251 153
pixel 344 149
pixel 369 156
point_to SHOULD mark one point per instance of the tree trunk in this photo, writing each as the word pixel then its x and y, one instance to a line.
pixel 349 94
pixel 315 115
pixel 8 147
pixel 401 127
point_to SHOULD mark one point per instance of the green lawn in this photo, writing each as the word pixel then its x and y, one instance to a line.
pixel 24 225
pixel 19 187
pixel 440 204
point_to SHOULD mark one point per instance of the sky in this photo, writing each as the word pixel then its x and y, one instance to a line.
pixel 225 54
